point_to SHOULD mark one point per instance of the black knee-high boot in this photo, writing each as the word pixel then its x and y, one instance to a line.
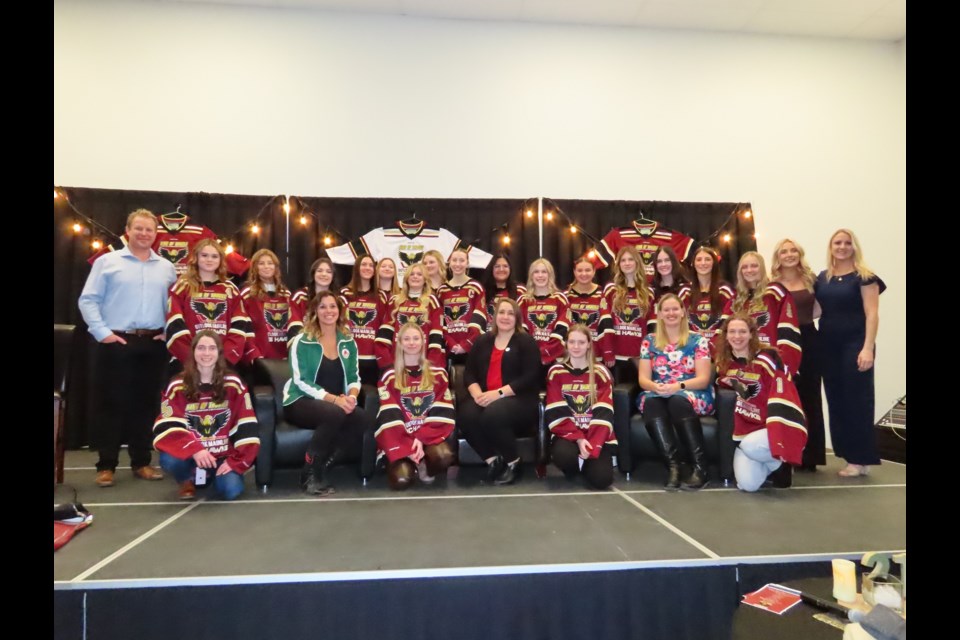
pixel 692 433
pixel 662 433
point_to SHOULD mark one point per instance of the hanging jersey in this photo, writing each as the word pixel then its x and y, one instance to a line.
pixel 492 300
pixel 272 322
pixel 365 314
pixel 777 323
pixel 175 241
pixel 422 413
pixel 647 238
pixel 428 317
pixel 767 398
pixel 569 413
pixel 406 244
pixel 628 326
pixel 591 310
pixel 227 429
pixel 217 306
pixel 464 313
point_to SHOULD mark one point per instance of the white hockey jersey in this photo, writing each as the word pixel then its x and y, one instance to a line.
pixel 406 244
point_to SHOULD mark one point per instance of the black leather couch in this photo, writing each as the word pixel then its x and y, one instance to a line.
pixel 637 445
pixel 282 445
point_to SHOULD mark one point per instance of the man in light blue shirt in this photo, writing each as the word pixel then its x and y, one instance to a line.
pixel 124 303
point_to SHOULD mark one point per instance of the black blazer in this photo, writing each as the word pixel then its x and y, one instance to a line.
pixel 520 367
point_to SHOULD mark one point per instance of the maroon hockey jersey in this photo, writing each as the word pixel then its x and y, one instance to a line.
pixel 547 319
pixel 430 320
pixel 628 326
pixel 570 414
pixel 591 310
pixel 647 238
pixel 777 323
pixel 425 414
pixel 216 306
pixel 464 313
pixel 365 313
pixel 272 323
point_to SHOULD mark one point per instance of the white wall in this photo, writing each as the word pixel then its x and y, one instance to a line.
pixel 244 100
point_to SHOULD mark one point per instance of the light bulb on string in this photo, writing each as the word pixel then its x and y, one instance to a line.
pixel 327 241
pixel 529 211
pixel 229 249
pixel 726 237
pixel 505 240
pixel 286 205
pixel 592 254
pixel 96 244
pixel 255 229
pixel 55 194
pixel 549 215
pixel 303 220
pixel 77 227
pixel 573 229
pixel 747 214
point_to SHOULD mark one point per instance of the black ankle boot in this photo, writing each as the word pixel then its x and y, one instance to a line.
pixel 661 431
pixel 692 433
pixel 510 473
pixel 314 478
pixel 782 477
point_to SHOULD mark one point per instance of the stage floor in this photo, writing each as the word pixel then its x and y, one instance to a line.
pixel 143 536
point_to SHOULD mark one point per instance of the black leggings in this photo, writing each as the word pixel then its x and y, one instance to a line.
pixel 598 472
pixel 493 430
pixel 673 408
pixel 332 428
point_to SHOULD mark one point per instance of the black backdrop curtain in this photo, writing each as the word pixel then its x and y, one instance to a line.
pixel 482 222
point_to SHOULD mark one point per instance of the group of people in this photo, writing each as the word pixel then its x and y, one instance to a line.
pixel 443 350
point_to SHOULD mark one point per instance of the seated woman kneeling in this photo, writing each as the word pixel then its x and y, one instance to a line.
pixel 580 412
pixel 207 423
pixel 768 420
pixel 416 413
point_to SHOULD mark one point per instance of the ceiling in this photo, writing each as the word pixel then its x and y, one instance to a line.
pixel 884 20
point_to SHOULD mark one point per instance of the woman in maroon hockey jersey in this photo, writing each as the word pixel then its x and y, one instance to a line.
pixel 366 308
pixel 323 277
pixel 267 302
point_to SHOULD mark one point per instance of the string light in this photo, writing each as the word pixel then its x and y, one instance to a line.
pixel 505 240
pixel 303 220
pixel 286 205
pixel 96 244
pixel 592 254
pixel 747 214
pixel 549 215
pixel 756 235
pixel 77 228
pixel 57 195
pixel 573 229
pixel 726 237
pixel 327 241
pixel 529 211
pixel 229 249
pixel 255 229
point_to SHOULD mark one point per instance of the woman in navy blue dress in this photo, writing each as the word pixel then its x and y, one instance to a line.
pixel 849 297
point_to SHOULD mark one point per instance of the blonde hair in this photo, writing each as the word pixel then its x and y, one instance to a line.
pixel 192 275
pixel 142 213
pixel 399 365
pixel 591 360
pixel 311 323
pixel 551 278
pixel 806 273
pixel 394 287
pixel 404 294
pixel 433 253
pixel 744 292
pixel 644 294
pixel 253 275
pixel 660 337
pixel 858 264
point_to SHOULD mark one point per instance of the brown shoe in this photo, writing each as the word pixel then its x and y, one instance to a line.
pixel 105 478
pixel 187 490
pixel 148 473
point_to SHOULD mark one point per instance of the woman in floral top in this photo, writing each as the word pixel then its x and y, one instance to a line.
pixel 675 378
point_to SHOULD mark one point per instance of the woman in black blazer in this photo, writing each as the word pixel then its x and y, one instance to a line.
pixel 503 376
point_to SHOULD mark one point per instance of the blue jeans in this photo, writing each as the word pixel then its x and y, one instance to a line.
pixel 753 462
pixel 229 485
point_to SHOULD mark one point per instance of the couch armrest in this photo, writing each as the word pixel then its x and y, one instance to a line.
pixel 264 405
pixel 726 403
pixel 624 396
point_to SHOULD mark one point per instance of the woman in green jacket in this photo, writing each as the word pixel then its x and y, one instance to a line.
pixel 322 391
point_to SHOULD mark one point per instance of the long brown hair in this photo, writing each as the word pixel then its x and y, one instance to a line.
pixel 400 366
pixel 713 292
pixel 312 284
pixel 192 275
pixel 744 292
pixel 356 281
pixel 725 353
pixel 394 287
pixel 191 375
pixel 644 295
pixel 676 269
pixel 490 283
pixel 253 276
pixel 311 324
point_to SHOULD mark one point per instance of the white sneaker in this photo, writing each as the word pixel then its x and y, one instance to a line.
pixel 425 477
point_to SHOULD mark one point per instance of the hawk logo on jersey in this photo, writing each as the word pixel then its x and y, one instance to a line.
pixel 542 320
pixel 454 312
pixel 585 318
pixel 703 320
pixel 579 403
pixel 763 319
pixel 629 315
pixel 361 317
pixel 276 319
pixel 208 425
pixel 172 254
pixel 416 318
pixel 417 406
pixel 411 257
pixel 745 391
pixel 209 310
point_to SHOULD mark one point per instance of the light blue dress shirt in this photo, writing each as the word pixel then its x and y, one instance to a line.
pixel 124 293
